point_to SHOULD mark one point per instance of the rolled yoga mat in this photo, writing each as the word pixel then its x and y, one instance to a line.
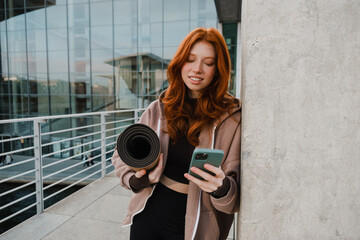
pixel 139 147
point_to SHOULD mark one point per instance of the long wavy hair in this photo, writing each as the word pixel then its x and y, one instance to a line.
pixel 213 101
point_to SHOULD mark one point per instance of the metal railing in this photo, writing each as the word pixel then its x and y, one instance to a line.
pixel 44 152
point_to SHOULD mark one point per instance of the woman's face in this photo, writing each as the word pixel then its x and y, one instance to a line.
pixel 200 67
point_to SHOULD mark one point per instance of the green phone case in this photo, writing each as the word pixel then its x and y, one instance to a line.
pixel 203 155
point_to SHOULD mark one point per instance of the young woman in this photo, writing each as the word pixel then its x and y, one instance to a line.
pixel 196 111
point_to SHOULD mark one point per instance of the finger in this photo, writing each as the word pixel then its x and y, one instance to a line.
pixel 216 170
pixel 159 164
pixel 204 185
pixel 140 173
pixel 201 173
pixel 154 175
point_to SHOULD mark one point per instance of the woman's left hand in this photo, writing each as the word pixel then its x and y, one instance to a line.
pixel 211 183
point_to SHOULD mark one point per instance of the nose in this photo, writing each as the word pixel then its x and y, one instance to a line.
pixel 197 68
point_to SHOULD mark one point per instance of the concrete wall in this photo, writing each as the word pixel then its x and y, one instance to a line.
pixel 301 120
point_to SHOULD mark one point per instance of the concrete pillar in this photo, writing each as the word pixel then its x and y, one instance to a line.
pixel 301 120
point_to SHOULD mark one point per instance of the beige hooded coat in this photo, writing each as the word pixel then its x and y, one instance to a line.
pixel 206 217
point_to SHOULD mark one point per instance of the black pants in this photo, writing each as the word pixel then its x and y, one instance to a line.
pixel 163 217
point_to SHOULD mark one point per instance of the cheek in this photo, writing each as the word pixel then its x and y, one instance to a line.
pixel 211 72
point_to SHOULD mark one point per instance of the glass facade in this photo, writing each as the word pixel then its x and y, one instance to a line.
pixel 75 56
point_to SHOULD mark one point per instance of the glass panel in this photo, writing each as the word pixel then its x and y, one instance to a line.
pixel 103 83
pixel 59 83
pixel 103 103
pixel 57 39
pixel 80 104
pixel 56 16
pixel 16 41
pixel 78 38
pixel 102 61
pixel 16 23
pixel 150 10
pixel 101 37
pixel 37 63
pixel 78 15
pixel 175 10
pixel 4 64
pixel 42 105
pixel 77 1
pixel 59 104
pixel 174 32
pixel 17 64
pixel 203 9
pixel 101 13
pixel 204 23
pixel 126 84
pixel 36 40
pixel 125 12
pixel 4 107
pixel 150 34
pixel 148 60
pixel 169 52
pixel 20 105
pixel 58 62
pixel 230 35
pixel 125 36
pixel 36 19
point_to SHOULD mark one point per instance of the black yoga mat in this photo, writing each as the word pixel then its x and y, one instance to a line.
pixel 139 147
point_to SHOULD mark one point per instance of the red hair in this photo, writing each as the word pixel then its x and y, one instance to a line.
pixel 213 101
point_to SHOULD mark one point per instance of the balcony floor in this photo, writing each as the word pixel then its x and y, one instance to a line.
pixel 94 212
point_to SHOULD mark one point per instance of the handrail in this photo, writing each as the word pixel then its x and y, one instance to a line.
pixel 60 158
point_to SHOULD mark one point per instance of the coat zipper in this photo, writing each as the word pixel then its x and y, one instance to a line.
pixel 199 202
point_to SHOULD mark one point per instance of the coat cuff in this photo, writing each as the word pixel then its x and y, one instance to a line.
pixel 222 190
pixel 138 184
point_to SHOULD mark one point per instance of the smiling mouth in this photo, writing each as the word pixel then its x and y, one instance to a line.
pixel 195 79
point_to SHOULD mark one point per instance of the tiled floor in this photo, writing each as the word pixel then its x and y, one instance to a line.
pixel 95 212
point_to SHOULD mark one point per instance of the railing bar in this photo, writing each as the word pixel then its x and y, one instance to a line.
pixel 18 212
pixel 69 115
pixel 122 120
pixel 63 160
pixel 68 139
pixel 19 175
pixel 112 129
pixel 64 169
pixel 61 180
pixel 68 129
pixel 119 127
pixel 17 138
pixel 17 163
pixel 17 200
pixel 16 151
pixel 111 136
pixel 66 149
pixel 65 188
pixel 111 144
pixel 112 150
pixel 15 189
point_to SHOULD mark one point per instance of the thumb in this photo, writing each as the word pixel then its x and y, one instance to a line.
pixel 140 173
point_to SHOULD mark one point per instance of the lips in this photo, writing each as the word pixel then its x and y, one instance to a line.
pixel 195 80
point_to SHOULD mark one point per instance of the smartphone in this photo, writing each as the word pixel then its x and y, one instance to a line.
pixel 203 155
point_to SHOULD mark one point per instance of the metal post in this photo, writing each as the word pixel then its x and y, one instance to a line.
pixel 103 145
pixel 38 166
pixel 136 116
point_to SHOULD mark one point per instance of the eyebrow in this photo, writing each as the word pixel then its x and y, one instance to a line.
pixel 190 54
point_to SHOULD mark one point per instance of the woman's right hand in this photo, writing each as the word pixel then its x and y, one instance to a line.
pixel 155 174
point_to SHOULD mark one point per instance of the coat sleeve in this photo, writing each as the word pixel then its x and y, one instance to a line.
pixel 122 171
pixel 230 203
